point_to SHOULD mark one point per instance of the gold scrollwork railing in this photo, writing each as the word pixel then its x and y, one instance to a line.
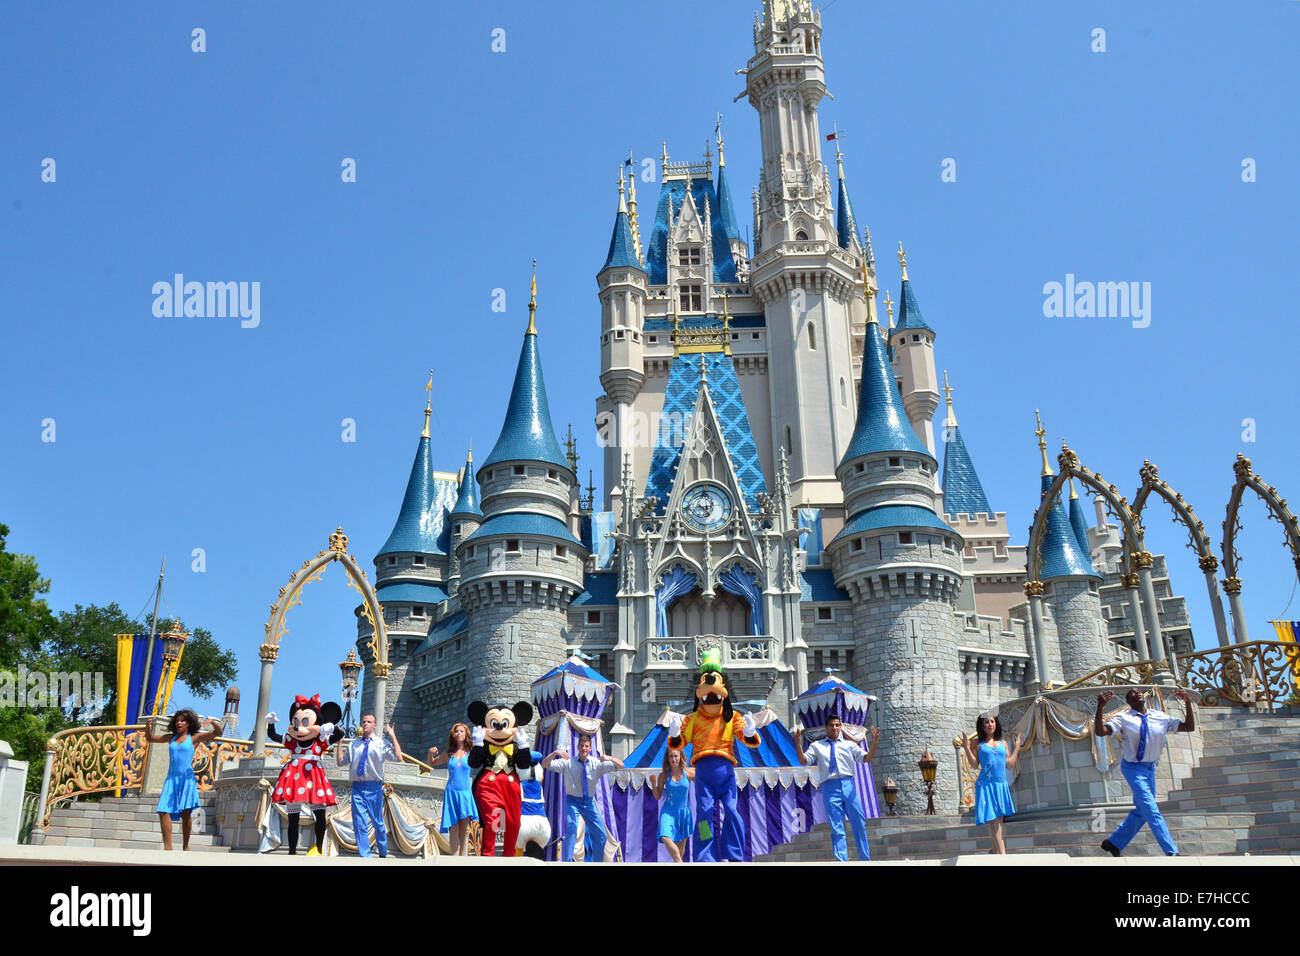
pixel 94 760
pixel 969 773
pixel 1253 674
pixel 211 754
pixel 1127 672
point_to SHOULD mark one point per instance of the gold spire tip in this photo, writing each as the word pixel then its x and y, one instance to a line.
pixel 1041 433
pixel 947 390
pixel 889 307
pixel 532 304
pixel 902 260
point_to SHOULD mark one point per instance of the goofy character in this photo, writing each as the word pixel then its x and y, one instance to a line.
pixel 499 753
pixel 712 728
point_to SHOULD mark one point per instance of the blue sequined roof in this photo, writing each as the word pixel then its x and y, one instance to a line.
pixel 729 227
pixel 680 396
pixel 882 423
pixel 467 498
pixel 410 592
pixel 526 434
pixel 893 516
pixel 724 266
pixel 1061 555
pixel 622 250
pixel 845 225
pixel 962 491
pixel 909 313
pixel 421 522
pixel 818 585
pixel 1080 526
pixel 449 626
pixel 523 524
pixel 737 322
pixel 599 590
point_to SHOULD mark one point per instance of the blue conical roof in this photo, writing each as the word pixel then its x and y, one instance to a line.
pixel 962 491
pixel 882 423
pixel 418 524
pixel 1080 526
pixel 526 434
pixel 845 225
pixel 467 500
pixel 909 313
pixel 1061 554
pixel 724 204
pixel 622 250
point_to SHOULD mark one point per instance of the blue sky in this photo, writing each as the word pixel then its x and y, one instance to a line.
pixel 175 434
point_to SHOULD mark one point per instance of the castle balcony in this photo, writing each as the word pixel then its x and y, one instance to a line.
pixel 738 653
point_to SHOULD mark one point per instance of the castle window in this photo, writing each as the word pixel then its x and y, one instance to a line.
pixel 418 560
pixel 817 662
pixel 895 463
pixel 859 468
pixel 916 338
pixel 552 474
pixel 561 551
pixel 512 545
pixel 755 335
pixel 735 336
pixel 801 236
pixel 904 537
pixel 392 562
pixel 690 297
pixel 789 441
pixel 456 528
pixel 812 337
pixel 619 335
pixel 438 655
pixel 458 645
pixel 417 610
pixel 593 617
pixel 1092 586
pixel 654 340
pixel 519 469
pixel 825 614
pixel 689 256
pixel 857 544
pixel 844 395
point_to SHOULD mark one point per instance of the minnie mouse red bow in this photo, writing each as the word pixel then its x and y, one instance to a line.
pixel 312 701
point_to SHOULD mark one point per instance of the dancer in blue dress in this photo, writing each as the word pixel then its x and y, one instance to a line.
pixel 992 795
pixel 180 792
pixel 675 819
pixel 458 808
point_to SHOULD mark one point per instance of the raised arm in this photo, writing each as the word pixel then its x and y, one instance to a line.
pixel 798 747
pixel 1098 725
pixel 1189 722
pixel 156 738
pixel 554 755
pixel 392 735
pixel 437 759
pixel 271 733
pixel 875 742
pixel 968 750
pixel 209 734
pixel 1015 754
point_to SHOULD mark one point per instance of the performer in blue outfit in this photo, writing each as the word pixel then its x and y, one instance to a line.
pixel 1142 735
pixel 833 758
pixel 458 807
pixel 992 795
pixel 365 756
pixel 675 819
pixel 581 774
pixel 534 827
pixel 180 792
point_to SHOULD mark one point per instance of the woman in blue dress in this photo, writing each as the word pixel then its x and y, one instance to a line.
pixel 458 808
pixel 992 795
pixel 180 791
pixel 675 819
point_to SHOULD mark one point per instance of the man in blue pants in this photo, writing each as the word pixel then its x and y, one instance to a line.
pixel 581 774
pixel 365 756
pixel 1142 735
pixel 834 758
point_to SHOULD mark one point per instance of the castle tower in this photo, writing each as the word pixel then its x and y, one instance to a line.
pixel 465 517
pixel 622 285
pixel 912 342
pixel 902 568
pixel 1071 588
pixel 806 283
pixel 522 566
pixel 410 581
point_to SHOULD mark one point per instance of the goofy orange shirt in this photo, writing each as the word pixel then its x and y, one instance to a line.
pixel 713 736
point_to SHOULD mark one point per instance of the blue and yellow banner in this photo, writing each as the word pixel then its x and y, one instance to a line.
pixel 1286 633
pixel 132 649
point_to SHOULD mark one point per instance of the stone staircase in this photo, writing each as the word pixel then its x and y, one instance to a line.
pixel 1243 797
pixel 129 823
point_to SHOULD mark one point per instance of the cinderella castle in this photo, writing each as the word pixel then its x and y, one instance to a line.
pixel 772 483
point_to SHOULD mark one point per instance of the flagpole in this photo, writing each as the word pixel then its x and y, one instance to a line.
pixel 153 633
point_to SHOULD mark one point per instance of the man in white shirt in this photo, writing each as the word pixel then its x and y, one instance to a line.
pixel 834 758
pixel 365 756
pixel 1142 735
pixel 580 777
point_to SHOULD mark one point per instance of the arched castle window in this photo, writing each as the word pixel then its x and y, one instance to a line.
pixel 801 236
pixel 789 441
pixel 844 394
pixel 812 337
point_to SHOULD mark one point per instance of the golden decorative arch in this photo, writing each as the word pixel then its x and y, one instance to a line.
pixel 1277 510
pixel 291 595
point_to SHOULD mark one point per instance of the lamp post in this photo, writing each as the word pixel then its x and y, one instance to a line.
pixel 351 669
pixel 890 789
pixel 928 765
pixel 173 643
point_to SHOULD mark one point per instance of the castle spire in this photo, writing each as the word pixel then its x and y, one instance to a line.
pixel 951 420
pixel 467 500
pixel 414 530
pixel 532 303
pixel 623 250
pixel 962 491
pixel 846 227
pixel 428 405
pixel 1041 433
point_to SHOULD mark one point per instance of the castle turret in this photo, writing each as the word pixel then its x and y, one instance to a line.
pixel 962 491
pixel 522 566
pixel 901 566
pixel 622 284
pixel 465 518
pixel 1071 587
pixel 913 357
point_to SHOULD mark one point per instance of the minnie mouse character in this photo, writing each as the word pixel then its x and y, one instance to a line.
pixel 302 784
pixel 498 756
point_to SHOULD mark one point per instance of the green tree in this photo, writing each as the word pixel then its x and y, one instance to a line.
pixel 24 616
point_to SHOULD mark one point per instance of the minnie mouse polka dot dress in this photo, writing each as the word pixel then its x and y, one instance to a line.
pixel 303 778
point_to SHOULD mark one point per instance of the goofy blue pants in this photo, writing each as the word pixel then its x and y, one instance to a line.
pixel 715 782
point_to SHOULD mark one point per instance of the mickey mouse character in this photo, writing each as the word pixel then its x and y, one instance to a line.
pixel 302 784
pixel 498 756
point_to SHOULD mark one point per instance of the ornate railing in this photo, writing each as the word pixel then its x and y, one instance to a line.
pixel 1125 672
pixel 1253 674
pixel 736 651
pixel 968 772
